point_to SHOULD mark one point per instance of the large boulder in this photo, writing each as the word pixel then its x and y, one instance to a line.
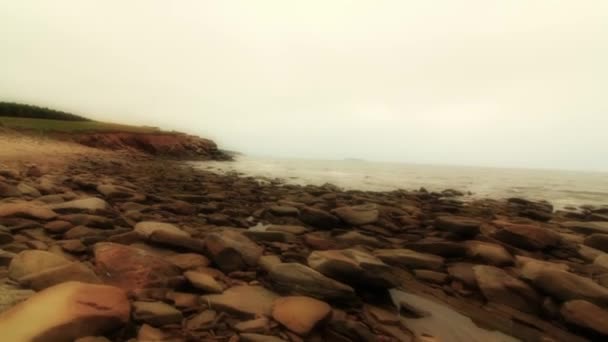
pixel 66 312
pixel 586 315
pixel 354 267
pixel 133 268
pixel 26 210
pixel 244 300
pixel 499 287
pixel 300 314
pixel 569 286
pixel 358 215
pixel 168 234
pixel 409 259
pixel 526 236
pixel 294 278
pixel 462 226
pixel 488 253
pixel 231 251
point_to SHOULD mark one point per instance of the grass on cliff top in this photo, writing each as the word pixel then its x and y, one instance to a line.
pixel 63 126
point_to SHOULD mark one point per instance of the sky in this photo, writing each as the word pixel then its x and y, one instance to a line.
pixel 516 83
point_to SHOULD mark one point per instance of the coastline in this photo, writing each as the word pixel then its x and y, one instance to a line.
pixel 487 259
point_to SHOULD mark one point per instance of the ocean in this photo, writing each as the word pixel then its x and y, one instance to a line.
pixel 559 187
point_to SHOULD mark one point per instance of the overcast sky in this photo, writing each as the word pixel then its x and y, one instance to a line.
pixel 516 83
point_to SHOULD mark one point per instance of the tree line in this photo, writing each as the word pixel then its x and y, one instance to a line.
pixel 18 110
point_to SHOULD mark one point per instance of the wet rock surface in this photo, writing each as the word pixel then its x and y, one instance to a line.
pixel 141 249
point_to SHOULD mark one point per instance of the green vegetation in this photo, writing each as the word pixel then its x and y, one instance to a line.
pixel 27 111
pixel 44 120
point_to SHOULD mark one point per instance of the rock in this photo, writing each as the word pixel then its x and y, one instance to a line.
pixel 27 210
pixel 526 236
pixel 529 267
pixel 446 249
pixel 586 315
pixel 168 234
pixel 6 257
pixel 27 190
pixel 283 210
pixel 148 333
pixel 34 261
pixel 588 227
pixel 294 278
pixel 133 268
pixel 57 227
pixel 462 226
pixel 245 300
pixel 300 314
pixel 8 190
pixel 114 191
pixel 73 271
pixel 267 262
pixel 5 236
pixel 269 236
pixel 597 241
pixel 187 261
pixel 203 281
pixel 488 253
pixel 431 276
pixel 353 267
pixel 318 218
pixel 353 238
pixel 201 321
pixel 499 287
pixel 358 215
pixel 232 251
pixel 296 230
pixel 253 326
pixel 463 272
pixel 66 312
pixel 89 205
pixel 410 259
pixel 601 261
pixel 12 295
pixel 568 286
pixel 88 220
pixel 156 313
pixel 250 337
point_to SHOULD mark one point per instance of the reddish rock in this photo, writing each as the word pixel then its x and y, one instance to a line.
pixel 300 314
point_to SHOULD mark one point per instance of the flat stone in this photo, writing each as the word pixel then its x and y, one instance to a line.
pixel 431 276
pixel 499 287
pixel 410 259
pixel 253 326
pixel 567 286
pixel 170 235
pixel 156 313
pixel 464 273
pixel 488 253
pixel 251 337
pixel 353 267
pixel 8 190
pixel 88 220
pixel 132 268
pixel 353 238
pixel 294 278
pixel 597 241
pixel 267 262
pixel 586 315
pixel 58 227
pixel 232 251
pixel 358 215
pixel 90 205
pixel 296 230
pixel 187 261
pixel 27 210
pixel 73 271
pixel 66 312
pixel 587 227
pixel 283 210
pixel 529 267
pixel 446 249
pixel 318 218
pixel 202 320
pixel 28 190
pixel 300 314
pixel 526 236
pixel 6 257
pixel 114 191
pixel 34 261
pixel 463 226
pixel 203 281
pixel 245 300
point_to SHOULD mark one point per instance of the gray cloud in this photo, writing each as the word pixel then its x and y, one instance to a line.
pixel 475 82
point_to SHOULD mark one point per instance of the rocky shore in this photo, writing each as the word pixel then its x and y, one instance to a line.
pixel 143 249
